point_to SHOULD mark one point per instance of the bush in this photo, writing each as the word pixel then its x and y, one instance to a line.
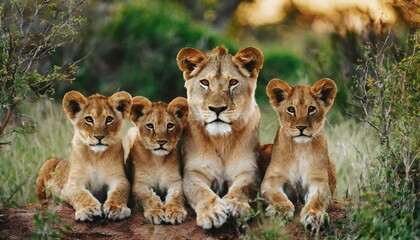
pixel 388 94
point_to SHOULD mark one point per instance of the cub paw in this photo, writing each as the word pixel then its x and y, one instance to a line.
pixel 313 220
pixel 155 214
pixel 285 209
pixel 89 212
pixel 115 211
pixel 175 214
pixel 237 208
pixel 213 214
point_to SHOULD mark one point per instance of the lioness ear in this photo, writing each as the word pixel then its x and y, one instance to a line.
pixel 73 103
pixel 277 91
pixel 188 60
pixel 122 102
pixel 325 89
pixel 251 59
pixel 139 106
pixel 179 108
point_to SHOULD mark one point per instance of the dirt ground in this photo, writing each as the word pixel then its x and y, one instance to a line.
pixel 18 223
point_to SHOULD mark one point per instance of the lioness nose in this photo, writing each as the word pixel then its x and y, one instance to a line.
pixel 99 137
pixel 218 110
pixel 161 142
pixel 301 128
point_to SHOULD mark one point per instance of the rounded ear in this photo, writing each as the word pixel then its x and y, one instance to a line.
pixel 139 106
pixel 251 59
pixel 188 59
pixel 122 102
pixel 179 108
pixel 325 89
pixel 278 90
pixel 73 103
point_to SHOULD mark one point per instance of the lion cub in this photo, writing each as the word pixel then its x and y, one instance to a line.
pixel 300 167
pixel 153 160
pixel 94 172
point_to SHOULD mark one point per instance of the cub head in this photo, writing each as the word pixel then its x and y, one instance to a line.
pixel 220 87
pixel 97 119
pixel 159 124
pixel 302 108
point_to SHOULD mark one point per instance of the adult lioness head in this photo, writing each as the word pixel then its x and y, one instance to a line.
pixel 302 108
pixel 97 119
pixel 220 87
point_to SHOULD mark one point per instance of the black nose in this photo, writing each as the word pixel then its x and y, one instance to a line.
pixel 301 128
pixel 99 137
pixel 161 142
pixel 218 110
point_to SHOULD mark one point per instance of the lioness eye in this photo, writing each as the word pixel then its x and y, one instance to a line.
pixel 233 82
pixel 291 110
pixel 170 126
pixel 149 126
pixel 88 119
pixel 204 82
pixel 109 120
pixel 311 109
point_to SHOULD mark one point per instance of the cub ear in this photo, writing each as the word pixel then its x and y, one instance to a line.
pixel 251 59
pixel 122 102
pixel 278 90
pixel 179 108
pixel 73 103
pixel 188 60
pixel 325 89
pixel 139 106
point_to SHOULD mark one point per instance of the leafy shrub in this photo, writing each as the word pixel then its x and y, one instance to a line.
pixel 388 94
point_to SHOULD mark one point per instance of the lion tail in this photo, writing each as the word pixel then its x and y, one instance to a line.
pixel 45 174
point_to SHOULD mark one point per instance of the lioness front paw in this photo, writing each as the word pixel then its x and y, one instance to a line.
pixel 213 214
pixel 312 220
pixel 175 214
pixel 285 209
pixel 115 211
pixel 89 212
pixel 237 208
pixel 155 214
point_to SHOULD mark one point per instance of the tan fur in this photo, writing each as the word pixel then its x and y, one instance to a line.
pixel 220 168
pixel 300 166
pixel 156 172
pixel 95 168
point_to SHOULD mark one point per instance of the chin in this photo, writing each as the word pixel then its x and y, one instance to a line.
pixel 302 139
pixel 218 129
pixel 160 152
pixel 98 148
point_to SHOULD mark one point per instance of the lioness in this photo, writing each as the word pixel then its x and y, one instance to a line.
pixel 221 143
pixel 300 167
pixel 153 162
pixel 94 172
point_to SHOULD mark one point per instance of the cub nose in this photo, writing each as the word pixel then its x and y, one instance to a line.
pixel 99 137
pixel 161 142
pixel 217 110
pixel 301 128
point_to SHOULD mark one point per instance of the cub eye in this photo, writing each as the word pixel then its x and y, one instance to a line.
pixel 311 109
pixel 170 126
pixel 233 82
pixel 89 119
pixel 149 126
pixel 109 120
pixel 204 82
pixel 291 110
